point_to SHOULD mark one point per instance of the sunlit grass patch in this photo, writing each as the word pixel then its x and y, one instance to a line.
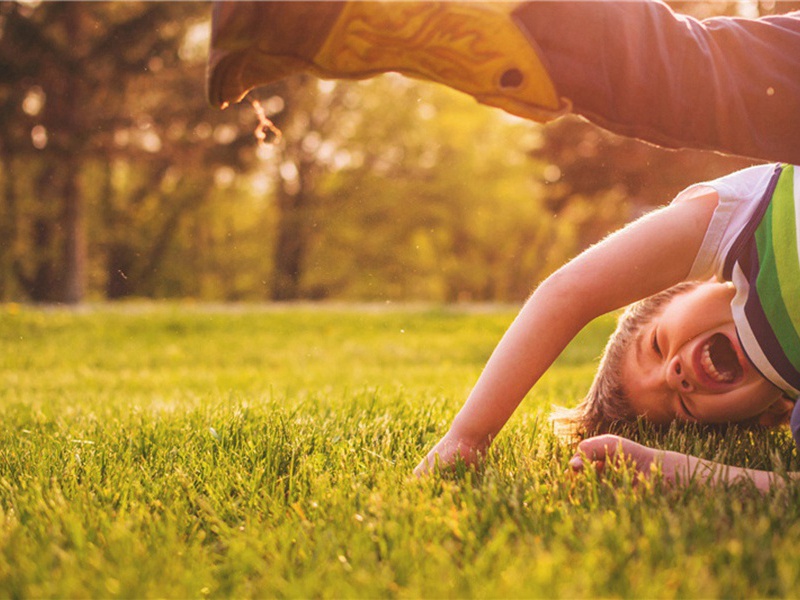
pixel 174 452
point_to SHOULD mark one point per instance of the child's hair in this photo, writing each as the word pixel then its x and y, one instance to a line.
pixel 606 402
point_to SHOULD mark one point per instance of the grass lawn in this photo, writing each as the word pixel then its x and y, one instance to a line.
pixel 180 451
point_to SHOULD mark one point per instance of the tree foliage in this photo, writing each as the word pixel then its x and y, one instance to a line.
pixel 117 180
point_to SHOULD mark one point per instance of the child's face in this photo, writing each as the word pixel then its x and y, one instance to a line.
pixel 687 364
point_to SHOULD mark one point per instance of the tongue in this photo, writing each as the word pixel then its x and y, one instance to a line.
pixel 723 356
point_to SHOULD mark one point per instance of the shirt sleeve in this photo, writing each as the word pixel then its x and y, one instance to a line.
pixel 739 194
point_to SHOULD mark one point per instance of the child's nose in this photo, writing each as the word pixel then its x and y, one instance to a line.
pixel 677 377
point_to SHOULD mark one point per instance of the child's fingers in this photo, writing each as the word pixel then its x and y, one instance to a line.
pixel 600 447
pixel 576 463
pixel 597 451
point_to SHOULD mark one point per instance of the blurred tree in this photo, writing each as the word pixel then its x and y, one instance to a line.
pixel 310 117
pixel 62 92
pixel 104 124
pixel 432 199
pixel 438 198
pixel 598 180
pixel 166 164
pixel 117 180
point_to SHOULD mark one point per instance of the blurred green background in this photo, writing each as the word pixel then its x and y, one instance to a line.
pixel 118 180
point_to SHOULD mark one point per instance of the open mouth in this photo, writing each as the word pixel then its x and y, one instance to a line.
pixel 719 359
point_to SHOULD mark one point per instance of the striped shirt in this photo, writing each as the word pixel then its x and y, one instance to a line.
pixel 764 267
pixel 752 241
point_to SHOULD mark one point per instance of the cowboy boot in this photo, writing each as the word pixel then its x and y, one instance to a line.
pixel 474 47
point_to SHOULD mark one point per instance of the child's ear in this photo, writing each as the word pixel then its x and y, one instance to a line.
pixel 777 414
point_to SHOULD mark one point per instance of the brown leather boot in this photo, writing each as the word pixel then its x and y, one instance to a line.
pixel 474 47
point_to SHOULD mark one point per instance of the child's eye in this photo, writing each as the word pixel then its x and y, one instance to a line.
pixel 654 342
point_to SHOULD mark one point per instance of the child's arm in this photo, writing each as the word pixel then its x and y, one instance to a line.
pixel 675 467
pixel 641 259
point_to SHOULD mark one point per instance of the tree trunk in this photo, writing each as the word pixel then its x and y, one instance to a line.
pixel 75 248
pixel 69 98
pixel 35 270
pixel 290 246
pixel 8 223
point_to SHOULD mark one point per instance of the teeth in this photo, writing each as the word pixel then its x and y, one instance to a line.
pixel 711 370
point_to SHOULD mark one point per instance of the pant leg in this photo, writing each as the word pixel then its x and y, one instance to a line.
pixel 641 70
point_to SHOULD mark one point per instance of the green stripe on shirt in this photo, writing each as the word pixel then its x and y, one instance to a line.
pixel 784 236
pixel 778 282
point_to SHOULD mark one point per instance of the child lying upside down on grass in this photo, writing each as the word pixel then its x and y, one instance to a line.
pixel 691 347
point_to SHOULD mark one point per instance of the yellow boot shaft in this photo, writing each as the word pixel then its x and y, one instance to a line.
pixel 474 47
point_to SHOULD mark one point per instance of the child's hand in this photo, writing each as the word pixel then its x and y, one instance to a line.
pixel 676 468
pixel 450 449
pixel 601 449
